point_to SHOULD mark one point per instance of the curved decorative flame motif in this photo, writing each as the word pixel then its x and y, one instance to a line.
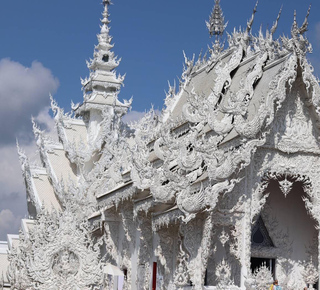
pixel 170 157
pixel 190 159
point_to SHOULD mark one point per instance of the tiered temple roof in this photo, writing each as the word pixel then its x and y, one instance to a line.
pixel 179 165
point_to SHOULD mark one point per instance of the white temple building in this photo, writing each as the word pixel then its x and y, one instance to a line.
pixel 221 191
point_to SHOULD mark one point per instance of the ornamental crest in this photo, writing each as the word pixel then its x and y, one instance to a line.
pixel 57 253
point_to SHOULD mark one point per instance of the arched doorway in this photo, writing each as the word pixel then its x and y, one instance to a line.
pixel 285 236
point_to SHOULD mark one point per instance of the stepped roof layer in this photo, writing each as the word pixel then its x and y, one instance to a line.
pixel 222 112
pixel 182 162
pixel 207 133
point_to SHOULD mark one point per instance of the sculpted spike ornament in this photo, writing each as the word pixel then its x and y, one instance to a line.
pixel 275 24
pixel 250 22
pixel 298 43
pixel 26 172
pixel 188 68
pixel 295 31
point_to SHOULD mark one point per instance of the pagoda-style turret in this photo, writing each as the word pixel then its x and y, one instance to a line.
pixel 216 23
pixel 103 85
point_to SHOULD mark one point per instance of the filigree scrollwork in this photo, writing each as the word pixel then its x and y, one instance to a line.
pixel 192 158
pixel 58 253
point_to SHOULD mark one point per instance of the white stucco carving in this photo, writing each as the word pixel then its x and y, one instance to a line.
pixel 58 253
pixel 179 194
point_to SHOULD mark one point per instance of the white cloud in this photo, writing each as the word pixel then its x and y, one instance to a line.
pixel 134 116
pixel 23 92
pixel 47 123
pixel 12 193
pixel 9 222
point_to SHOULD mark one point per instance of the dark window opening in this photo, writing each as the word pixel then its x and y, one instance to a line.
pixel 256 263
pixel 315 286
pixel 260 236
pixel 105 58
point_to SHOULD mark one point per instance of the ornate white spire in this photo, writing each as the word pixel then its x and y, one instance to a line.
pixel 104 58
pixel 216 25
pixel 103 85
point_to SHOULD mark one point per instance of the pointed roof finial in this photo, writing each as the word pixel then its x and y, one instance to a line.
pixel 22 156
pixel 250 22
pixel 304 26
pixel 216 25
pixel 105 13
pixel 275 24
pixel 295 30
pixel 104 61
pixel 106 3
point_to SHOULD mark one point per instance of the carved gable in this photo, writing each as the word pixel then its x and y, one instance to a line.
pixel 295 127
pixel 175 195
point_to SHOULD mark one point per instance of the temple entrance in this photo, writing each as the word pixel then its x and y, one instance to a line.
pixel 285 237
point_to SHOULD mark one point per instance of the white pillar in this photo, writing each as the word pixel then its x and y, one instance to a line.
pixel 246 246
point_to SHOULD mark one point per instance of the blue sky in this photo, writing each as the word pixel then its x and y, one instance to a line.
pixel 44 45
pixel 149 36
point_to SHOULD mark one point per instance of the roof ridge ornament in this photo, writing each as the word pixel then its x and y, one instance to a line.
pixel 295 30
pixel 250 22
pixel 298 43
pixel 216 25
pixel 275 24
